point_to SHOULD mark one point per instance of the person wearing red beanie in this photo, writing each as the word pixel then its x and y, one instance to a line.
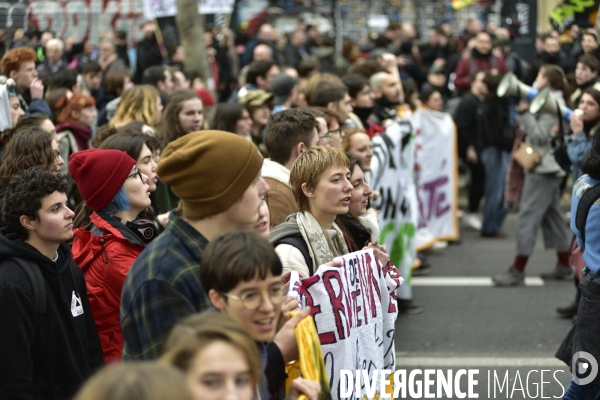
pixel 117 192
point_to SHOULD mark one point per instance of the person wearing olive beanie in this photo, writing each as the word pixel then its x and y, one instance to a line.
pixel 216 175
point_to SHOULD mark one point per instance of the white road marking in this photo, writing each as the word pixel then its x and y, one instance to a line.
pixel 466 281
pixel 403 361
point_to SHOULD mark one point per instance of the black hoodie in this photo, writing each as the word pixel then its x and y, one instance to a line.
pixel 52 358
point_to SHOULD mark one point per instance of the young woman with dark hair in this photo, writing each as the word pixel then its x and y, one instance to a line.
pixel 232 117
pixel 182 115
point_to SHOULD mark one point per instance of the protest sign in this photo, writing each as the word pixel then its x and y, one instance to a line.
pixel 354 309
pixel 392 166
pixel 436 177
pixel 168 8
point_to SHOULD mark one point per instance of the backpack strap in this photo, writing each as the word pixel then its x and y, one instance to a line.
pixel 583 208
pixel 38 286
pixel 299 243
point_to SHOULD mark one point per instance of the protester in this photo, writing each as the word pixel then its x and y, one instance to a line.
pixel 586 76
pixel 259 105
pixel 114 84
pixel 140 103
pixel 107 247
pixel 540 198
pixel 75 124
pixel 319 179
pixel 238 271
pixel 24 123
pixel 212 345
pixel 227 167
pixel 481 58
pixel 361 98
pixel 289 133
pixel 583 335
pixel 284 92
pixel 358 144
pixel 466 119
pixel 234 118
pixel 43 294
pixel 30 148
pixel 582 128
pixel 332 96
pixel 182 115
pixel 137 381
pixel 19 65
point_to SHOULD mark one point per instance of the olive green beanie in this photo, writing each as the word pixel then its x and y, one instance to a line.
pixel 209 170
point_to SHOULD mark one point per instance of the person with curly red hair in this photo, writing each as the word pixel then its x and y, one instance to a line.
pixel 19 64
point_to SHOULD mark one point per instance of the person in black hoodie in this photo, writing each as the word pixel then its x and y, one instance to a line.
pixel 50 345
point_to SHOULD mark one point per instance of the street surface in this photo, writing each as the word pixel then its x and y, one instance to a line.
pixel 503 332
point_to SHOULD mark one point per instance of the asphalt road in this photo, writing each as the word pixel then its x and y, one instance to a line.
pixel 501 332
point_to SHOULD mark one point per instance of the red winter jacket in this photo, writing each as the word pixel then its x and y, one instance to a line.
pixel 105 251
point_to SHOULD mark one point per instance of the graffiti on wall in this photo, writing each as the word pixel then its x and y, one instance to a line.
pixel 80 19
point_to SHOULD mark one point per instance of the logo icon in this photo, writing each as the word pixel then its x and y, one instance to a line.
pixel 584 367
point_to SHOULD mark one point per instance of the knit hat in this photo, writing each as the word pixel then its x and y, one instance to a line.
pixel 99 174
pixel 206 97
pixel 209 170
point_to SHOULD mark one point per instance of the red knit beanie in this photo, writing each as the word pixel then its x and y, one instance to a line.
pixel 99 174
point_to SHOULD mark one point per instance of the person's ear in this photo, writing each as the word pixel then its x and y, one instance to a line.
pixel 216 299
pixel 332 107
pixel 27 222
pixel 260 81
pixel 13 74
pixel 75 114
pixel 307 190
pixel 160 86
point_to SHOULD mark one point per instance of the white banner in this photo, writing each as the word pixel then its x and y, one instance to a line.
pixel 354 308
pixel 393 176
pixel 168 8
pixel 437 177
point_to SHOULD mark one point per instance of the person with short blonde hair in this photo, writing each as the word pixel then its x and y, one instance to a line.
pixel 320 181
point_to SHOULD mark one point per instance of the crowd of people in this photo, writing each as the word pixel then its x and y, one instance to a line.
pixel 148 214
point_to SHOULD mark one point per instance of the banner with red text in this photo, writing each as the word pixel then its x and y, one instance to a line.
pixel 437 177
pixel 354 308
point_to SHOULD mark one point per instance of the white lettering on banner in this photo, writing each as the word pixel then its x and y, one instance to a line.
pixel 436 165
pixel 393 177
pixel 168 8
pixel 354 308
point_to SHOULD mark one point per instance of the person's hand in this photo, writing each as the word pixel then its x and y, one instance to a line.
pixel 285 339
pixel 36 88
pixel 576 123
pixel 334 263
pixel 380 252
pixel 163 219
pixel 522 106
pixel 497 51
pixel 494 71
pixel 472 155
pixel 439 62
pixel 403 61
pixel 299 386
pixel 288 304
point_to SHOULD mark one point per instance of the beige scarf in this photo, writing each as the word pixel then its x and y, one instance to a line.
pixel 322 245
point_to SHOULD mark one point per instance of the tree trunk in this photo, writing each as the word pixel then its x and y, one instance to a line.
pixel 190 25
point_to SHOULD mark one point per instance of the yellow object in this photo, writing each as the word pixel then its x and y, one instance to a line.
pixel 310 364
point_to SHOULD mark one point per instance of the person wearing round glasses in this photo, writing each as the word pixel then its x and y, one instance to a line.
pixel 117 191
pixel 241 273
